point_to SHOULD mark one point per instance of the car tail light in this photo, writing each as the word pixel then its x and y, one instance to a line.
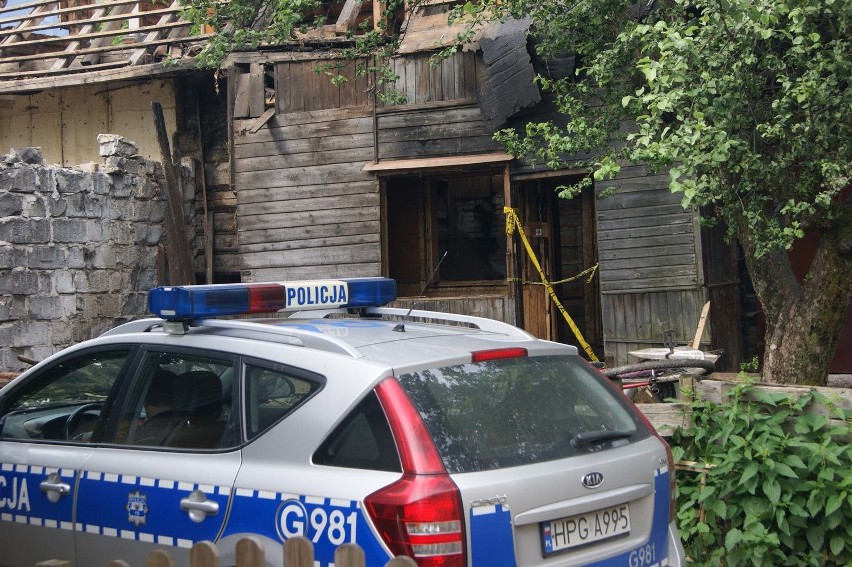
pixel 497 353
pixel 421 514
pixel 652 429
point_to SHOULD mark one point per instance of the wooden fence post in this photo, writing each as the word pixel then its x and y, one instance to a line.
pixel 298 552
pixel 159 558
pixel 349 555
pixel 250 553
pixel 54 563
pixel 204 554
pixel 118 563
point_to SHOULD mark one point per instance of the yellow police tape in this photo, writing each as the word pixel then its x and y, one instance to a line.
pixel 513 222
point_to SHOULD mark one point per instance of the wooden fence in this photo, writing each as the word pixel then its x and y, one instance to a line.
pixel 668 416
pixel 298 552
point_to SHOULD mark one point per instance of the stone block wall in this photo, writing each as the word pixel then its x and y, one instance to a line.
pixel 78 247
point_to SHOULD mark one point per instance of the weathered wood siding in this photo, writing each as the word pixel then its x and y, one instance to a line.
pixel 304 207
pixel 650 264
pixel 500 307
pixel 433 132
pixel 454 78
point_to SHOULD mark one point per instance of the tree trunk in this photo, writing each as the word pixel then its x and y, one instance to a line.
pixel 803 320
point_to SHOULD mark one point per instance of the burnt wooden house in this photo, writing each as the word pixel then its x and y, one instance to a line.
pixel 298 176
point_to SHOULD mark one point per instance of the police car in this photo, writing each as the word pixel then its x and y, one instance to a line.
pixel 455 440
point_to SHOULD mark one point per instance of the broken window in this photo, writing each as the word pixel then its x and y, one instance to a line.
pixel 457 214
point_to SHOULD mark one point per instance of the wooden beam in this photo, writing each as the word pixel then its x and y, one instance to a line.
pixel 99 16
pixel 104 49
pixel 22 28
pixel 157 31
pixel 348 16
pixel 63 70
pixel 97 35
pixel 100 43
pixel 181 270
pixel 64 11
pixel 264 118
pixel 431 163
pixel 74 45
pixel 139 72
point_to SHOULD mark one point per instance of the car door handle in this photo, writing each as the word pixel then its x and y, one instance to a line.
pixel 198 506
pixel 54 488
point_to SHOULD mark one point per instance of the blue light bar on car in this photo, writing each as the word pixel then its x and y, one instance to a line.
pixel 187 302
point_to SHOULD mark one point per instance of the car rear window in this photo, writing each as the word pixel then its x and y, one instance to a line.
pixel 519 411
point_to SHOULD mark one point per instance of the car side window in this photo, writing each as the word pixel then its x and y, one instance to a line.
pixel 180 400
pixel 65 402
pixel 273 391
pixel 362 441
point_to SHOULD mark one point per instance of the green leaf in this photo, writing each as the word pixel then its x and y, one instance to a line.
pixel 815 536
pixel 833 503
pixel 772 489
pixel 836 544
pixel 750 470
pixel 733 538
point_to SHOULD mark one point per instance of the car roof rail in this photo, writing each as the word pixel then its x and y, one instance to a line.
pixel 306 338
pixel 138 326
pixel 481 323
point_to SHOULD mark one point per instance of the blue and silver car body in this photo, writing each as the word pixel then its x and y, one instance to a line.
pixel 456 440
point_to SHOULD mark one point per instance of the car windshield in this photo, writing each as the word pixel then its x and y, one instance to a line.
pixel 519 411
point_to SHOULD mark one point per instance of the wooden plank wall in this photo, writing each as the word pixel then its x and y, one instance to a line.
pixel 454 78
pixel 428 131
pixel 500 307
pixel 650 264
pixel 304 207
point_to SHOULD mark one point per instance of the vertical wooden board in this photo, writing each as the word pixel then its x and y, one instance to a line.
pixel 282 87
pixel 297 87
pixel 310 87
pixel 349 555
pixel 449 79
pixel 330 92
pixel 436 80
pixel 471 74
pixel 242 95
pixel 422 88
pixel 257 97
pixel 298 552
pixel 348 95
pixel 204 554
pixel 159 558
pixel 250 553
pixel 410 85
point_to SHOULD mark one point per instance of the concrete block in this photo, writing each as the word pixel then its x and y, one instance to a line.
pixel 12 257
pixel 97 281
pixel 60 331
pixel 18 282
pixel 117 164
pixel 41 352
pixel 30 333
pixel 157 212
pixel 122 186
pixel 18 230
pixel 11 204
pixel 35 207
pixel 98 231
pixel 70 231
pixel 77 257
pixel 46 257
pixel 150 188
pixel 44 307
pixel 46 180
pixel 19 180
pixel 6 302
pixel 109 305
pixel 122 233
pixel 70 181
pixel 32 156
pixel 63 282
pixel 155 234
pixel 109 257
pixel 88 167
pixel 120 209
pixel 56 206
pixel 85 205
pixel 101 183
pixel 115 145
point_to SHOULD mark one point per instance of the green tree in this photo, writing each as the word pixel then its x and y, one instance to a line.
pixel 746 103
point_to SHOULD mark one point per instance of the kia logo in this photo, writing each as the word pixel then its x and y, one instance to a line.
pixel 593 480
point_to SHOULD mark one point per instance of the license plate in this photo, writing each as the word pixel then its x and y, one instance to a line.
pixel 582 529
